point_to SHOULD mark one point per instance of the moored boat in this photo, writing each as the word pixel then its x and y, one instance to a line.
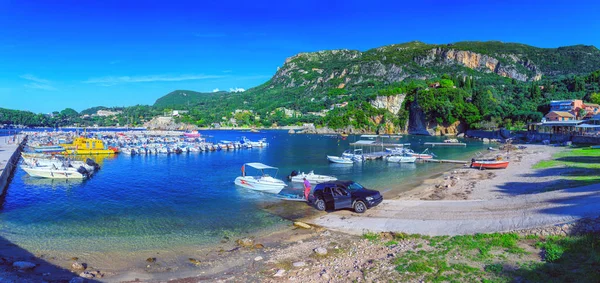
pixel 192 134
pixel 402 159
pixel 83 145
pixel 340 160
pixel 311 177
pixel 53 172
pixel 263 182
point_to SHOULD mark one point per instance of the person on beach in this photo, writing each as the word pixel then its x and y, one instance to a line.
pixel 307 189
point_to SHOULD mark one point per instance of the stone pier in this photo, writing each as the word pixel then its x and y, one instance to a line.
pixel 10 152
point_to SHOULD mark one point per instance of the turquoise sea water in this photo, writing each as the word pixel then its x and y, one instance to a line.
pixel 155 202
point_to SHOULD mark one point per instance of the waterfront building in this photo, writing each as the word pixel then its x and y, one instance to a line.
pixel 559 116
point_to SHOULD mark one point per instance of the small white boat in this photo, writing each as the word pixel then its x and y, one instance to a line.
pixel 356 155
pixel 52 172
pixel 402 159
pixel 340 160
pixel 310 177
pixel 46 162
pixel 263 182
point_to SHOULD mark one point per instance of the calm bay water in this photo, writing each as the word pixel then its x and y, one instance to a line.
pixel 156 202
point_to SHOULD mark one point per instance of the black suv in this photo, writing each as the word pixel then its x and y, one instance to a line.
pixel 345 194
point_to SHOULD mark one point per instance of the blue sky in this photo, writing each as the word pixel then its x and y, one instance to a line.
pixel 79 54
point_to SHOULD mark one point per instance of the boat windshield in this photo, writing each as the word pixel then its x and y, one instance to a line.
pixel 355 187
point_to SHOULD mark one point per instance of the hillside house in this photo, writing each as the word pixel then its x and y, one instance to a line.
pixel 559 116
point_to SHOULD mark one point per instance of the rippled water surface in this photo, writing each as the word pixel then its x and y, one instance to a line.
pixel 154 202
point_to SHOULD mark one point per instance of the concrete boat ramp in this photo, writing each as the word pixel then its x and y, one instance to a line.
pixel 462 217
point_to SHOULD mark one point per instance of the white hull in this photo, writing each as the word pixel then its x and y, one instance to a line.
pixel 401 159
pixel 313 178
pixel 34 162
pixel 47 172
pixel 261 184
pixel 340 160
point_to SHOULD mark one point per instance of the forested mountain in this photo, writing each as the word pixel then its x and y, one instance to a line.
pixel 466 84
pixel 494 82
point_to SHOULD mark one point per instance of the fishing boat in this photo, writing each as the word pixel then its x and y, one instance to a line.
pixel 53 172
pixel 402 159
pixel 83 145
pixel 340 159
pixel 489 164
pixel 263 182
pixel 311 177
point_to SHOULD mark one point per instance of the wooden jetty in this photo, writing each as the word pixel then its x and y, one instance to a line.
pixel 434 144
pixel 444 161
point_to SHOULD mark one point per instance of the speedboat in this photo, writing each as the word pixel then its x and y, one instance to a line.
pixel 53 172
pixel 340 160
pixel 263 182
pixel 310 177
pixel 402 159
pixel 356 155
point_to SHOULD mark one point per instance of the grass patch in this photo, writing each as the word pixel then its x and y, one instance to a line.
pixel 390 243
pixel 498 257
pixel 585 163
pixel 371 236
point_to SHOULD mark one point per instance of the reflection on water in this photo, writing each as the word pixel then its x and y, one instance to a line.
pixel 40 183
pixel 98 158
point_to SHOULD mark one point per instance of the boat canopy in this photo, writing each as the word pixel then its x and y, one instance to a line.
pixel 364 142
pixel 259 166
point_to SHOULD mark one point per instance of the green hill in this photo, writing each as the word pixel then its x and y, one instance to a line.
pixel 500 77
pixel 184 98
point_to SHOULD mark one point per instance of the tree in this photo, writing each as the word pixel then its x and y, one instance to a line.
pixel 69 113
pixel 582 112
pixel 595 97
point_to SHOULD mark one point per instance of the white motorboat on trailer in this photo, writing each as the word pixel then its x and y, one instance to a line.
pixel 310 177
pixel 262 183
pixel 340 160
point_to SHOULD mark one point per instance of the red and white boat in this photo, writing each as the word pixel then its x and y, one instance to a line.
pixel 489 164
pixel 193 134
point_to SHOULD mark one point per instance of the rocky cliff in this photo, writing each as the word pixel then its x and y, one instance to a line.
pixel 350 69
pixel 392 103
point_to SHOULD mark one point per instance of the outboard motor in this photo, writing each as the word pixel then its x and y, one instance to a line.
pixel 293 174
pixel 83 171
pixel 92 163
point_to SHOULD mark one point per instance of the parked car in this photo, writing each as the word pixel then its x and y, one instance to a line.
pixel 344 194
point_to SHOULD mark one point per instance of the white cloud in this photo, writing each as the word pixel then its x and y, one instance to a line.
pixel 105 81
pixel 37 83
pixel 237 89
pixel 40 86
pixel 33 78
pixel 216 90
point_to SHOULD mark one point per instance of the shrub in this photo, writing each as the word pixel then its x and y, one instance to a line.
pixel 553 252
